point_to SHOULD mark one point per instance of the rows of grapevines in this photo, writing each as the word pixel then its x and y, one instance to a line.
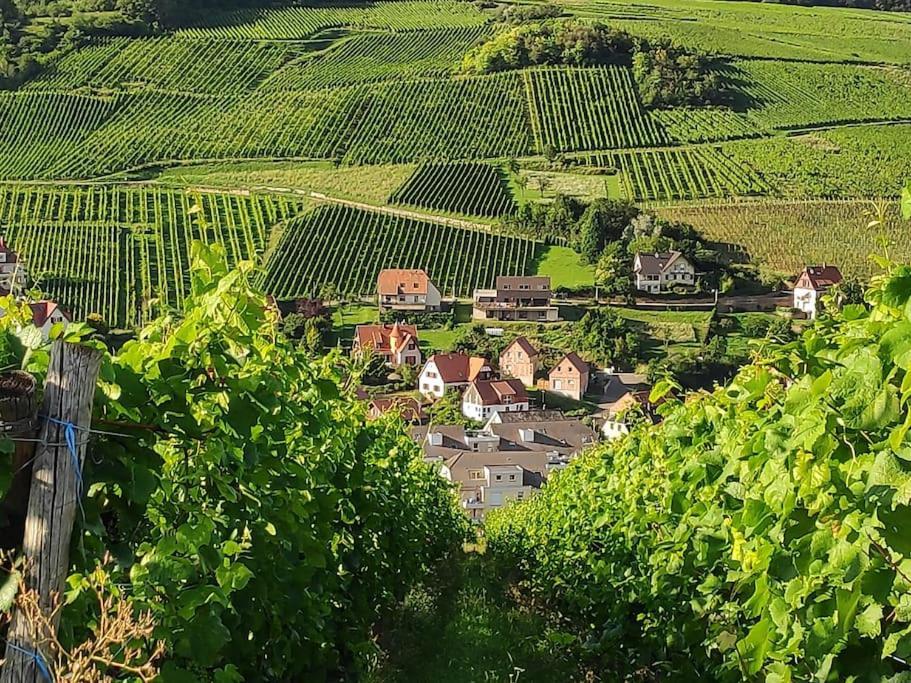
pixel 115 250
pixel 173 64
pixel 378 56
pixel 84 137
pixel 41 130
pixel 786 235
pixel 475 189
pixel 691 173
pixel 245 488
pixel 760 532
pixel 586 109
pixel 348 247
pixel 792 95
pixel 288 23
pixel 707 124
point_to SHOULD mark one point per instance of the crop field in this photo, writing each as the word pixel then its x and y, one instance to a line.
pixel 172 64
pixel 376 56
pixel 348 247
pixel 473 189
pixel 794 95
pixel 669 174
pixel 290 23
pixel 587 109
pixel 860 161
pixel 707 124
pixel 754 30
pixel 119 251
pixel 787 235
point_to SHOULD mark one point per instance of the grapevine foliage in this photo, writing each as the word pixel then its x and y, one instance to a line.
pixel 760 532
pixel 255 511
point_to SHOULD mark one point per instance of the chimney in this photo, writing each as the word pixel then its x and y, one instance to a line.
pixel 435 438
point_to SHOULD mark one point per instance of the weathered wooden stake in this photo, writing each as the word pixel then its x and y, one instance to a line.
pixel 53 500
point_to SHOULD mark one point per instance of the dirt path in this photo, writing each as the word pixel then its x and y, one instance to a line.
pixel 402 213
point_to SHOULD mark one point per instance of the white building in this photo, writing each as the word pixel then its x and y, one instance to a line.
pixel 660 272
pixel 407 290
pixel 811 284
pixel 483 398
pixel 46 314
pixel 13 276
pixel 445 371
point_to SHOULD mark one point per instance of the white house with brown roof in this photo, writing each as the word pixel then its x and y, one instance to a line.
pixel 520 360
pixel 13 276
pixel 46 314
pixel 660 272
pixel 445 371
pixel 485 397
pixel 811 284
pixel 397 344
pixel 401 289
pixel 569 377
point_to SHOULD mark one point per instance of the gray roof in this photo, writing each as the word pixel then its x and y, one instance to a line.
pixel 656 263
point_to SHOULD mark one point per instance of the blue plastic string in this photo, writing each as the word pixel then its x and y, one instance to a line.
pixel 38 659
pixel 69 435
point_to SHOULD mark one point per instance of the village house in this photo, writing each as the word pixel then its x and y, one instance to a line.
pixel 520 360
pixel 396 344
pixel 569 377
pixel 445 371
pixel 13 276
pixel 516 299
pixel 485 397
pixel 811 284
pixel 508 459
pixel 46 314
pixel 661 272
pixel 407 290
pixel 409 408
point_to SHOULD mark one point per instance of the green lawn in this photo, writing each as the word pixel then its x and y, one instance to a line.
pixel 670 326
pixel 565 268
pixel 437 340
pixel 343 323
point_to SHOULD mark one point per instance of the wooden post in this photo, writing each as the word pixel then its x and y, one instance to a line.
pixel 68 393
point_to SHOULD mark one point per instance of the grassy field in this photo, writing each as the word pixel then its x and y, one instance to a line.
pixel 565 268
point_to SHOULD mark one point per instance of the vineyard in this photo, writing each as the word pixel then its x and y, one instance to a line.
pixel 294 23
pixel 376 56
pixel 707 124
pixel 793 95
pixel 787 235
pixel 586 109
pixel 348 247
pixel 670 174
pixel 464 188
pixel 125 252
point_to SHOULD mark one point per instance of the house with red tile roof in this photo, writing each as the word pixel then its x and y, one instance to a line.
pixel 46 314
pixel 485 397
pixel 569 377
pixel 520 360
pixel 397 344
pixel 445 371
pixel 811 284
pixel 400 289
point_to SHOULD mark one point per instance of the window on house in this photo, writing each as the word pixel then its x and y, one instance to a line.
pixel 499 477
pixel 512 477
pixel 402 298
pixel 520 495
pixel 475 475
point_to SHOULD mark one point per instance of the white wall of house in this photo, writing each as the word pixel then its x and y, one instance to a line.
pixel 431 301
pixel 614 429
pixel 431 384
pixel 475 410
pixel 806 300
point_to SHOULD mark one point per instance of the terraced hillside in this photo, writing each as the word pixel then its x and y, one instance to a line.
pixel 368 102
